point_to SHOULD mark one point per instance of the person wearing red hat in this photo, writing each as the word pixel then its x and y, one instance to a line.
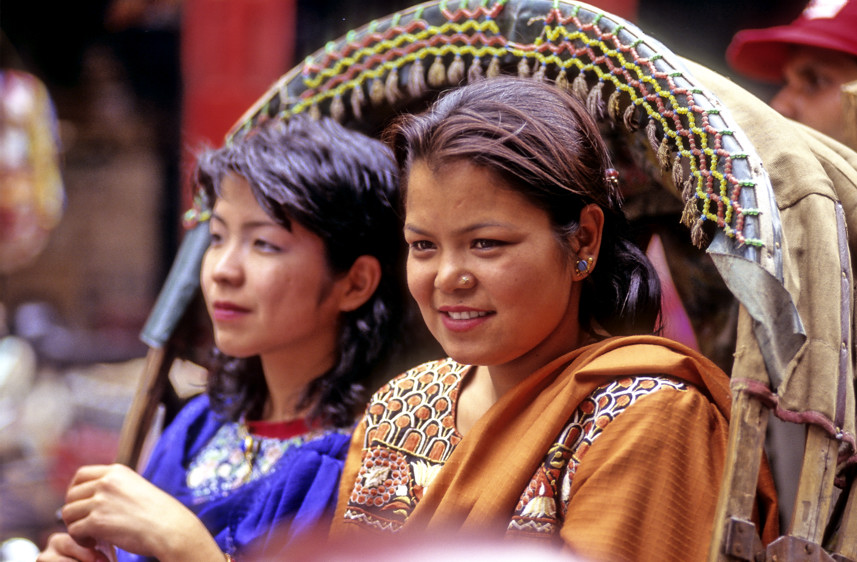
pixel 813 56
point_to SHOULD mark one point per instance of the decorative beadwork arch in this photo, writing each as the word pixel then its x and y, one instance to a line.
pixel 627 80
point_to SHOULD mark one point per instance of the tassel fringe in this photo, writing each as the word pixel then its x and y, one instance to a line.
pixel 376 91
pixel 652 134
pixel 474 73
pixel 579 87
pixel 337 109
pixel 493 68
pixel 523 68
pixel 595 101
pixel 391 87
pixel 417 79
pixel 628 118
pixel 437 73
pixel 613 104
pixel 358 98
pixel 456 71
pixel 664 153
pixel 562 80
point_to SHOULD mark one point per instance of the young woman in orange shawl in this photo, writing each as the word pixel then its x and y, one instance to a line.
pixel 558 416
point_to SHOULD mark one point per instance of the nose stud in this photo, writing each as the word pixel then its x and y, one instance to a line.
pixel 465 281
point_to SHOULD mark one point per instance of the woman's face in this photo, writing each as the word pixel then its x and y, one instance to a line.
pixel 519 307
pixel 268 290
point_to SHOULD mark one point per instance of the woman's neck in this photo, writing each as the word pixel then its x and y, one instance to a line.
pixel 485 385
pixel 283 408
pixel 287 379
pixel 478 393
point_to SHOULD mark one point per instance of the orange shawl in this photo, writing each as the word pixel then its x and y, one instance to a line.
pixel 646 489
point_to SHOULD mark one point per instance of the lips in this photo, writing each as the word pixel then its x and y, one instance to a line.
pixel 467 314
pixel 223 311
pixel 462 319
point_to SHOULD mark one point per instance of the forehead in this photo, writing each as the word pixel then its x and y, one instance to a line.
pixel 804 59
pixel 462 192
pixel 236 196
pixel 234 188
pixel 454 181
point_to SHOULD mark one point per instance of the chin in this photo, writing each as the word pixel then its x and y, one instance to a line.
pixel 237 351
pixel 469 355
pixel 466 355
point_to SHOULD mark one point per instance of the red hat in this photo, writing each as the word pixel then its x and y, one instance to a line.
pixel 827 24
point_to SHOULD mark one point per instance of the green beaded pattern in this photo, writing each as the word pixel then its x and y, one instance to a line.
pixel 604 61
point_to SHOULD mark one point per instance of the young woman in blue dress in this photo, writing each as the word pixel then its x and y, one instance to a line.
pixel 301 281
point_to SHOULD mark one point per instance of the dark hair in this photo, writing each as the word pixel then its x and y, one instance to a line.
pixel 342 186
pixel 545 145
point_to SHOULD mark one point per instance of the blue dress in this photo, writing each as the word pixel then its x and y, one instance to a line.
pixel 271 505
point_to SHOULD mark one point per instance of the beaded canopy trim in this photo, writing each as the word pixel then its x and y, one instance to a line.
pixel 622 75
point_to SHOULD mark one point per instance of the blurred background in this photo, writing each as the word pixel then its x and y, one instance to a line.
pixel 103 104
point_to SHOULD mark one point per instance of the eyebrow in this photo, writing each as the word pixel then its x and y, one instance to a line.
pixel 249 225
pixel 470 228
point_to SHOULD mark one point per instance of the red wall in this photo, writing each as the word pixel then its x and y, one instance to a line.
pixel 232 51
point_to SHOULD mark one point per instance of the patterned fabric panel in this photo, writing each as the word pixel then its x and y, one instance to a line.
pixel 416 411
pixel 222 465
pixel 543 505
pixel 411 433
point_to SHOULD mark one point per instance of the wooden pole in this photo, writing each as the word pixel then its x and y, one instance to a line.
pixel 167 331
pixel 138 420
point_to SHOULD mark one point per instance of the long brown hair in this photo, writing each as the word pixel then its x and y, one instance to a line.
pixel 545 145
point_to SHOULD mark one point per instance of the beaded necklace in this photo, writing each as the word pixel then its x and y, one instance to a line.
pixel 250 448
pixel 252 433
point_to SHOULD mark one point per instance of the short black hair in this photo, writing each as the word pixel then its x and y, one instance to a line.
pixel 342 186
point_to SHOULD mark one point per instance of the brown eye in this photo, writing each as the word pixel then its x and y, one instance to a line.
pixel 487 244
pixel 421 245
pixel 266 246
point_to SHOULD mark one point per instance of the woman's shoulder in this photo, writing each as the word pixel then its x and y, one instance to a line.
pixel 661 400
pixel 445 370
pixel 653 355
pixel 196 409
pixel 196 420
pixel 182 438
pixel 612 398
pixel 648 352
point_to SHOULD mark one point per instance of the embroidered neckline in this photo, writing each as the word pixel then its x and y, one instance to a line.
pixel 252 434
pixel 278 430
pixel 224 464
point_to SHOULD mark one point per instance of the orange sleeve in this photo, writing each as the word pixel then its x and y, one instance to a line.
pixel 647 488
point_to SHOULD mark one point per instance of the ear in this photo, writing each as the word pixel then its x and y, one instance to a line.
pixel 359 283
pixel 586 242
